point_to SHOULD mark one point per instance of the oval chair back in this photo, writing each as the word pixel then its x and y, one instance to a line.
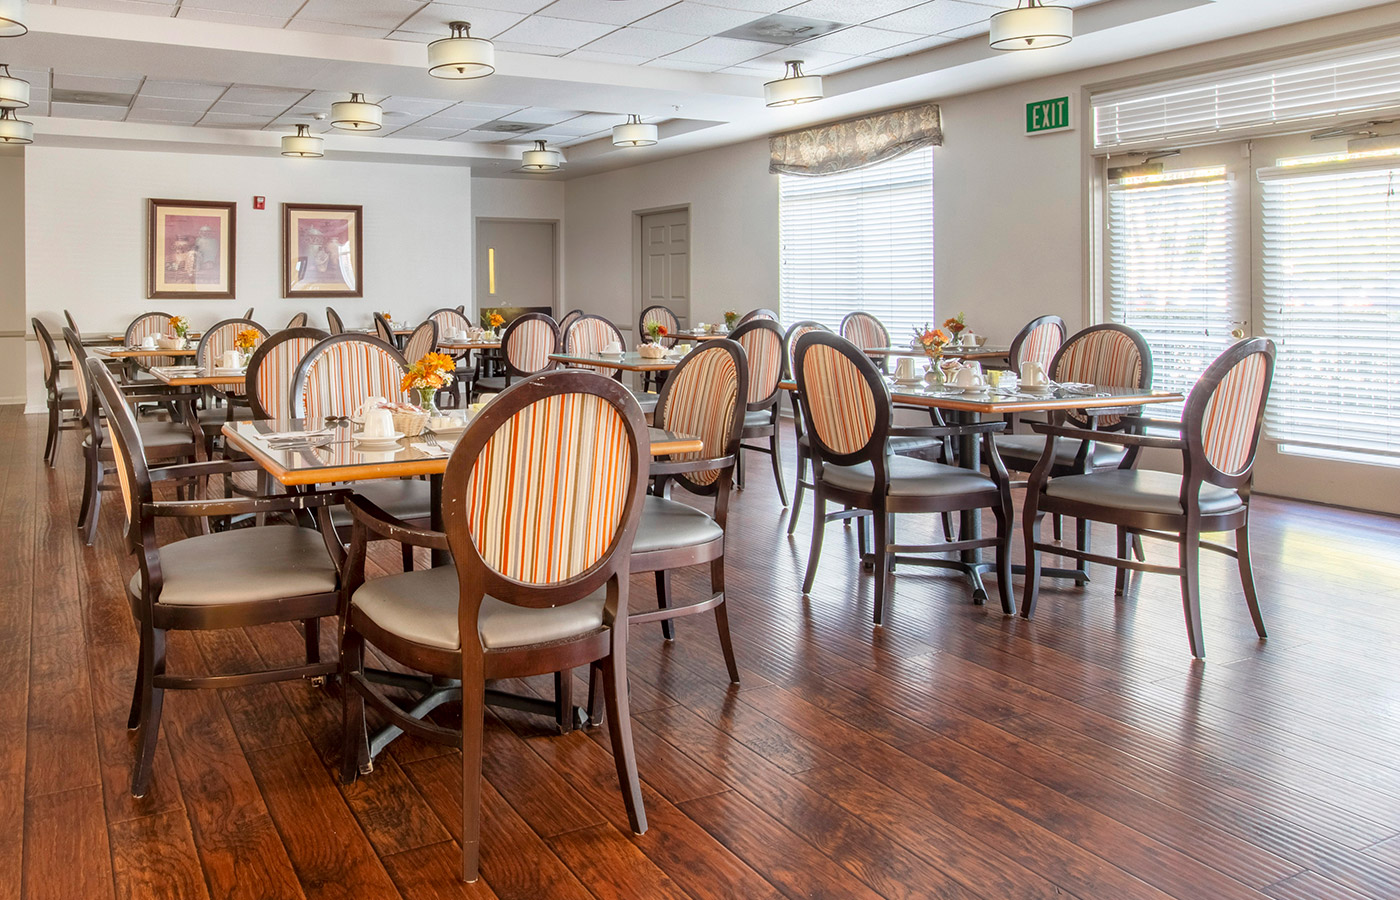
pixel 219 338
pixel 703 396
pixel 1038 342
pixel 866 332
pixel 143 326
pixel 268 384
pixel 423 341
pixel 762 340
pixel 450 320
pixel 568 319
pixel 297 321
pixel 48 353
pixel 1224 415
pixel 660 315
pixel 384 330
pixel 78 353
pixel 527 343
pixel 128 452
pixel 342 372
pixel 68 317
pixel 588 335
pixel 806 326
pixel 1107 354
pixel 333 323
pixel 846 407
pixel 760 313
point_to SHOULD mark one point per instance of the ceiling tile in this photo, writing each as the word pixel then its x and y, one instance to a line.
pixel 269 96
pixel 234 120
pixel 96 83
pixel 336 28
pixel 589 124
pixel 182 90
pixel 616 12
pixel 856 40
pixel 774 64
pixel 224 17
pixel 642 42
pixel 914 46
pixel 696 18
pixel 472 111
pixel 968 31
pixel 723 51
pixel 934 18
pixel 385 14
pixel 170 104
pixel 163 116
pixel 485 23
pixel 621 59
pixel 550 32
pixel 477 137
pixel 854 62
pixel 851 11
pixel 271 8
pixel 520 6
pixel 251 110
pixel 682 65
pixel 455 125
pixel 290 121
pixel 86 111
pixel 533 49
pixel 425 133
pixel 140 7
pixel 414 105
pixel 757 6
pixel 543 114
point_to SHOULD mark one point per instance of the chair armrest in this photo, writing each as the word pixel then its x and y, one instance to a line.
pixel 1120 438
pixel 947 430
pixel 1149 422
pixel 198 469
pixel 375 520
pixel 194 509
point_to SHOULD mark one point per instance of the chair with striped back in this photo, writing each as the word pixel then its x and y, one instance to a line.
pixel 535 587
pixel 866 332
pixel 268 384
pixel 449 320
pixel 343 371
pixel 847 413
pixel 1038 342
pixel 384 330
pixel 151 324
pixel 297 321
pixel 568 319
pixel 1218 436
pixel 760 313
pixel 421 342
pixel 588 335
pixel 212 345
pixel 525 350
pixel 762 340
pixel 663 316
pixel 333 322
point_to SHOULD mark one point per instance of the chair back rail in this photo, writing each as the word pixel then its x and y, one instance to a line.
pixel 759 313
pixel 219 338
pixel 846 407
pixel 568 319
pixel 297 321
pixel 333 323
pixel 48 354
pixel 1224 415
pixel 384 329
pixel 143 326
pixel 1108 354
pixel 703 396
pixel 342 372
pixel 268 384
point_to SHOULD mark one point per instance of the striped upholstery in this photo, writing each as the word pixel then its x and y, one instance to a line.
pixel 700 400
pixel 530 344
pixel 1100 357
pixel 144 326
pixel 333 323
pixel 422 342
pixel 384 331
pixel 865 331
pixel 297 321
pixel 547 492
pixel 346 374
pixel 448 319
pixel 119 455
pixel 793 334
pixel 219 339
pixel 78 354
pixel 764 348
pixel 1231 416
pixel 840 400
pixel 276 370
pixel 664 317
pixel 1042 344
pixel 590 334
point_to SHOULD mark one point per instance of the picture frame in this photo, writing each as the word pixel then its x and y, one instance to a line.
pixel 322 250
pixel 191 249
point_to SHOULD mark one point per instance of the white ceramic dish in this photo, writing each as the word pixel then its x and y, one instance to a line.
pixel 382 441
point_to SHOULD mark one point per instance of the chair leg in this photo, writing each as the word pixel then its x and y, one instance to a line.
pixel 797 492
pixel 88 487
pixel 862 544
pixel 1137 548
pixel 354 747
pixel 595 674
pixel 1120 579
pixel 473 723
pixel 1058 522
pixel 1251 596
pixel 564 700
pixel 620 730
pixel 407 557
pixel 94 510
pixel 739 469
pixel 152 698
pixel 882 563
pixel 1190 556
pixel 818 531
pixel 133 718
pixel 947 526
pixel 1002 513
pixel 51 442
pixel 722 619
pixel 312 631
pixel 1030 524
pixel 776 458
pixel 663 601
pixel 1081 540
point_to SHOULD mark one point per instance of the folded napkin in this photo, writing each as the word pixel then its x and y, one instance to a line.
pixel 296 435
pixel 442 449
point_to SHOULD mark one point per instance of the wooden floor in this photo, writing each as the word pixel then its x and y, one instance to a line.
pixel 952 753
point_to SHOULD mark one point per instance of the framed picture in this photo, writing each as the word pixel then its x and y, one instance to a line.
pixel 322 251
pixel 190 249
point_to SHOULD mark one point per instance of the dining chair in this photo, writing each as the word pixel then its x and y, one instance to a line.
pixel 760 313
pixel 297 321
pixel 249 313
pixel 847 413
pixel 589 334
pixel 534 588
pixel 665 317
pixel 568 319
pixel 525 348
pixel 1218 435
pixel 866 332
pixel 164 440
pixel 762 340
pixel 1038 342
pixel 384 330
pixel 59 398
pixel 455 320
pixel 212 345
pixel 68 317
pixel 421 342
pixel 152 324
pixel 272 368
pixel 333 323
pixel 214 581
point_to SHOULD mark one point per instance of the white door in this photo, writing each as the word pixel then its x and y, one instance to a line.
pixel 666 263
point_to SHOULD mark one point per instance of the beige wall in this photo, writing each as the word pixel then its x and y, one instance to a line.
pixel 14 324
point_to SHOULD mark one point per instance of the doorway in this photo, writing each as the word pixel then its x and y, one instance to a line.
pixel 517 266
pixel 665 263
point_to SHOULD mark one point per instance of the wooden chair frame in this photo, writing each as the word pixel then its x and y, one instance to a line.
pixel 53 394
pixel 299 378
pixel 1013 357
pixel 511 372
pixel 333 322
pixel 231 400
pixel 761 313
pixel 464 371
pixel 564 339
pixel 384 330
pixel 297 321
pixel 255 400
pixel 769 404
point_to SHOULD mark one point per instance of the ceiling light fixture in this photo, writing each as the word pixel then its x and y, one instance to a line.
pixel 1032 27
pixel 14 92
pixel 540 159
pixel 13 130
pixel 12 18
pixel 793 87
pixel 303 144
pixel 461 56
pixel 634 133
pixel 357 115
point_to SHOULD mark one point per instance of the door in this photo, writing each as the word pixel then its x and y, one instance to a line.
pixel 666 263
pixel 516 266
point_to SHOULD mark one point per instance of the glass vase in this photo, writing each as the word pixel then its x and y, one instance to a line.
pixel 427 400
pixel 933 374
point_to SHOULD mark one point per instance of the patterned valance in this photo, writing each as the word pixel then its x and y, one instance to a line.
pixel 855 143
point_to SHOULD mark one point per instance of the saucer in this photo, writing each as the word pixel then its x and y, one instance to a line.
pixel 910 382
pixel 382 441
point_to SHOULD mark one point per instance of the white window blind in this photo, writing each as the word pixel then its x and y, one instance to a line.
pixel 860 240
pixel 1170 263
pixel 1331 290
pixel 1338 82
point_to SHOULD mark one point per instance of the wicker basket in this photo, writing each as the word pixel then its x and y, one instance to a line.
pixel 410 422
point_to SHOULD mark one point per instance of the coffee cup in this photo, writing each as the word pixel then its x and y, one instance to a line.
pixel 969 339
pixel 231 359
pixel 682 349
pixel 1032 375
pixel 968 377
pixel 371 403
pixel 148 342
pixel 379 423
pixel 613 348
pixel 904 369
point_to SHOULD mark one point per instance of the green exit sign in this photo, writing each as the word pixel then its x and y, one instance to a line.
pixel 1045 116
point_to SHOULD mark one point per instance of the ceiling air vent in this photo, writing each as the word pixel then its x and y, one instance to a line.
pixel 509 127
pixel 780 29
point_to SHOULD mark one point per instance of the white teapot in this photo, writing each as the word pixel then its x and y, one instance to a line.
pixel 969 378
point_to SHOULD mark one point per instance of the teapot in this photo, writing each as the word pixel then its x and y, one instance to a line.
pixel 969 378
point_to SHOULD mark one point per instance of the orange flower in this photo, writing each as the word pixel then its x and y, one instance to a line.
pixel 955 324
pixel 497 320
pixel 179 325
pixel 656 331
pixel 434 370
pixel 246 339
pixel 931 339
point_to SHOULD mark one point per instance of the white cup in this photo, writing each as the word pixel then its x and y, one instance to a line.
pixel 613 348
pixel 968 377
pixel 371 403
pixel 682 349
pixel 1032 374
pixel 149 342
pixel 231 359
pixel 904 369
pixel 378 423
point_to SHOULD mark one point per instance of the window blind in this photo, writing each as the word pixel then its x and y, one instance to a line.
pixel 1347 81
pixel 1331 290
pixel 1170 261
pixel 860 240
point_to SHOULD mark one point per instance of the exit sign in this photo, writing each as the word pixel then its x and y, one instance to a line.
pixel 1045 116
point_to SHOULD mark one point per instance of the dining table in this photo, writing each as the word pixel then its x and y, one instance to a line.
pixel 124 352
pixel 683 336
pixel 631 361
pixel 198 376
pixel 982 353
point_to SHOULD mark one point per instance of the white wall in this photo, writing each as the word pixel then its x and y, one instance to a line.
pixel 522 197
pixel 13 322
pixel 85 215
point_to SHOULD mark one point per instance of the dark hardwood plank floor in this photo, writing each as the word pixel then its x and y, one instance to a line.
pixel 953 753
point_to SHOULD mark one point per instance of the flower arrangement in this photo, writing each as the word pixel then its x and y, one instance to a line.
pixel 656 331
pixel 491 319
pixel 180 325
pixel 246 340
pixel 955 325
pixel 931 340
pixel 427 375
pixel 730 317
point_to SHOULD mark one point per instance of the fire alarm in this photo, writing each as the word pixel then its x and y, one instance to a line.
pixel 259 203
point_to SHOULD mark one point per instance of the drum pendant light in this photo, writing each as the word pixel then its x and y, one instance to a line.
pixel 634 133
pixel 1032 26
pixel 540 160
pixel 13 130
pixel 357 115
pixel 461 56
pixel 303 144
pixel 793 87
pixel 12 17
pixel 14 92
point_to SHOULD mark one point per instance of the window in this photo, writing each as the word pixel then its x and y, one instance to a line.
pixel 1331 293
pixel 1171 270
pixel 860 240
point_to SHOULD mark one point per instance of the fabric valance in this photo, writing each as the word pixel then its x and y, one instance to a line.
pixel 855 143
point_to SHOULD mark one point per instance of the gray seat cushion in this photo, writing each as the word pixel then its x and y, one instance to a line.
pixel 1030 446
pixel 1139 489
pixel 646 400
pixel 421 607
pixel 67 395
pixel 243 566
pixel 408 500
pixel 757 417
pixel 909 477
pixel 898 443
pixel 156 434
pixel 667 524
